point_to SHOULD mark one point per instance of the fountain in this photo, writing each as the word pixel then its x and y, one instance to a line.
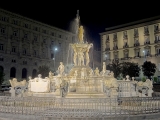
pixel 81 81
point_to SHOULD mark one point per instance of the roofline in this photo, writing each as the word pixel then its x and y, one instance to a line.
pixel 139 23
pixel 31 20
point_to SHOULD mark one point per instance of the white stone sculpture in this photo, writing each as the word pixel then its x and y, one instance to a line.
pixel 80 57
pixel 75 54
pixel 15 83
pixel 83 73
pixel 51 75
pixel 61 68
pixel 87 54
pixel 133 79
pixel 127 78
pixel 96 72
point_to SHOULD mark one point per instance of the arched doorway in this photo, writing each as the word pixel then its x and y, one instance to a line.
pixel 24 73
pixel 34 73
pixel 13 72
pixel 1 69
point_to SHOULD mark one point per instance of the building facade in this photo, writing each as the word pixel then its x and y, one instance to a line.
pixel 26 44
pixel 133 42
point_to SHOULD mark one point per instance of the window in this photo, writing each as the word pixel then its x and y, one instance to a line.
pixel 125 35
pixel 44 31
pixel 35 63
pixel 26 25
pixel 126 53
pixel 13 49
pixel 1 46
pixel 60 36
pixel 52 33
pixel 15 33
pixel 52 42
pixel 35 38
pixel 136 32
pixel 24 52
pixel 115 54
pixel 13 61
pixel 3 30
pixel 1 58
pixel 44 40
pixel 115 36
pixel 24 62
pixel 156 28
pixel 15 22
pixel 107 38
pixel 3 18
pixel 36 29
pixel 146 31
pixel 34 52
pixel 26 35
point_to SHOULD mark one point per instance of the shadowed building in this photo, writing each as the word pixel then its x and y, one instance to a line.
pixel 25 44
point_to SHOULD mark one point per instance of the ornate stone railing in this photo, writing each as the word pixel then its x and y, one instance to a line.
pixel 79 108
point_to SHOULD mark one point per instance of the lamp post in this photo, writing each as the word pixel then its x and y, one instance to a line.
pixel 55 49
pixel 144 55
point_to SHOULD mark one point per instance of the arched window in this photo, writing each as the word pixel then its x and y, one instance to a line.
pixel 13 72
pixel 34 73
pixel 24 73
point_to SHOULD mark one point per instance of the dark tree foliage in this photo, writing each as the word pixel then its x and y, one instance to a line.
pixel 148 69
pixel 131 69
pixel 43 70
pixel 116 67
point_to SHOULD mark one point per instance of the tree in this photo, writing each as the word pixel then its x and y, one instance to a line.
pixel 116 67
pixel 43 70
pixel 131 69
pixel 148 69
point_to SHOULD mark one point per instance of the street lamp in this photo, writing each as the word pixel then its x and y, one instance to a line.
pixel 55 49
pixel 144 55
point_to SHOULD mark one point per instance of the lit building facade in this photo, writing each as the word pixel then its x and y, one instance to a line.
pixel 134 42
pixel 26 44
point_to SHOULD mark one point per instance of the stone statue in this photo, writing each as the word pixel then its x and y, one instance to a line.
pixel 96 72
pixel 127 78
pixel 87 54
pixel 91 72
pixel 80 34
pixel 61 68
pixel 80 57
pixel 50 75
pixel 75 55
pixel 104 68
pixel 15 83
pixel 83 73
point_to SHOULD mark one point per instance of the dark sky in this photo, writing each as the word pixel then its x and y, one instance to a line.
pixel 94 16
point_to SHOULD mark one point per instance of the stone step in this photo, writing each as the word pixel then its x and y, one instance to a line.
pixel 86 95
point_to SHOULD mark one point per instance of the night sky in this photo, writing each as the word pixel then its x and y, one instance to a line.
pixel 94 16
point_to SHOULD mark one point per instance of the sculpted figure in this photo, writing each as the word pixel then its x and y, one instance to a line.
pixel 87 54
pixel 96 72
pixel 80 57
pixel 15 83
pixel 80 34
pixel 75 55
pixel 50 75
pixel 61 68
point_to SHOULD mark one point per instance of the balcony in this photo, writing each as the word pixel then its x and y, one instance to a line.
pixel 115 47
pixel 157 54
pixel 107 49
pixel 157 41
pixel 147 42
pixel 126 58
pixel 137 56
pixel 136 44
pixel 126 46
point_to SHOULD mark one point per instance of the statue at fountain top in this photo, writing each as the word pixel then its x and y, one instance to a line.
pixel 80 34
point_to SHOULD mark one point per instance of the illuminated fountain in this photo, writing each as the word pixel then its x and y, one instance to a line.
pixel 81 81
